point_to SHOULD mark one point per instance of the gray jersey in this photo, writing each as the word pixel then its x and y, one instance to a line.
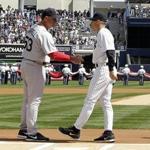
pixel 39 43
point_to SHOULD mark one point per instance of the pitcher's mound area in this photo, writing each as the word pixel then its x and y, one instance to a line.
pixel 136 100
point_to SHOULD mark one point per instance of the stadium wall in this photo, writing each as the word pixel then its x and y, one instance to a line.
pixel 12 3
pixel 64 4
pixel 42 4
pixel 57 4
pixel 81 5
pixel 29 2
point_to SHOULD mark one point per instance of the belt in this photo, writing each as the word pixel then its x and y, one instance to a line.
pixel 98 65
pixel 39 63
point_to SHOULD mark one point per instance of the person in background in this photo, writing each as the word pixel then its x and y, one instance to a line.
pixel 66 74
pixel 141 73
pixel 82 72
pixel 51 69
pixel 47 74
pixel 126 72
pixel 13 73
pixel 3 70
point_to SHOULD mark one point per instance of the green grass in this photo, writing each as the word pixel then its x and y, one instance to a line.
pixel 133 84
pixel 74 84
pixel 63 109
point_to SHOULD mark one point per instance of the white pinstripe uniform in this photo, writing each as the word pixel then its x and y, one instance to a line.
pixel 100 88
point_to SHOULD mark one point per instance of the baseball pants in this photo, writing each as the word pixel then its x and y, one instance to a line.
pixel 34 79
pixel 100 90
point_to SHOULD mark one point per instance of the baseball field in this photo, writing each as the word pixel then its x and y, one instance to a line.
pixel 61 106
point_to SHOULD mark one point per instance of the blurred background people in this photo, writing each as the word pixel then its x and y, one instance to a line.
pixel 126 72
pixel 141 73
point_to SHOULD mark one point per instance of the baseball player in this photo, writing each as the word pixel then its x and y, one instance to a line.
pixel 126 72
pixel 100 88
pixel 39 44
pixel 141 73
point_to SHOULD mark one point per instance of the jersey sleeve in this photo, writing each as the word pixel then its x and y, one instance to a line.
pixel 47 43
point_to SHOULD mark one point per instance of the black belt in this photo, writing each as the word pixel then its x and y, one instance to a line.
pixel 97 65
pixel 39 63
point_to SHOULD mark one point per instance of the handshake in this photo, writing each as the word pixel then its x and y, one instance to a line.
pixel 76 59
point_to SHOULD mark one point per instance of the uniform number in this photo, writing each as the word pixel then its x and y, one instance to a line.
pixel 28 43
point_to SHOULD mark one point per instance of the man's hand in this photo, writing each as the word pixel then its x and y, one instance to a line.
pixel 113 74
pixel 77 59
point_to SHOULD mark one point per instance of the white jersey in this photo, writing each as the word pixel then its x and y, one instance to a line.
pixel 51 69
pixel 14 69
pixel 126 71
pixel 39 43
pixel 141 71
pixel 3 68
pixel 105 41
pixel 47 69
pixel 66 70
pixel 82 71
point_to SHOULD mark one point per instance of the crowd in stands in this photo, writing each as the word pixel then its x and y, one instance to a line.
pixel 14 24
pixel 139 11
pixel 72 29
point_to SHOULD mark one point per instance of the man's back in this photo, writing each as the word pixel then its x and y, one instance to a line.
pixel 39 43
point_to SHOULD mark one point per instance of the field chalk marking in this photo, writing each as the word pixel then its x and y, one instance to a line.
pixel 41 147
pixel 107 147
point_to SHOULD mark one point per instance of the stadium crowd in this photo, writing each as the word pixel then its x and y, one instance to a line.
pixel 139 11
pixel 72 28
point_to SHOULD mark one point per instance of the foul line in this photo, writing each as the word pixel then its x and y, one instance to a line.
pixel 42 146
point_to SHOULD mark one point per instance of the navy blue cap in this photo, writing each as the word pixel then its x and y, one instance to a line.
pixel 50 12
pixel 99 16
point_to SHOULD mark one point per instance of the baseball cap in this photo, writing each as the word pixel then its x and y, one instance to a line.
pixel 142 66
pixel 51 12
pixel 99 16
pixel 66 65
pixel 126 65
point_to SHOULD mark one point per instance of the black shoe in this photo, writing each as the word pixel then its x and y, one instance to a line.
pixel 22 134
pixel 107 137
pixel 37 138
pixel 71 131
